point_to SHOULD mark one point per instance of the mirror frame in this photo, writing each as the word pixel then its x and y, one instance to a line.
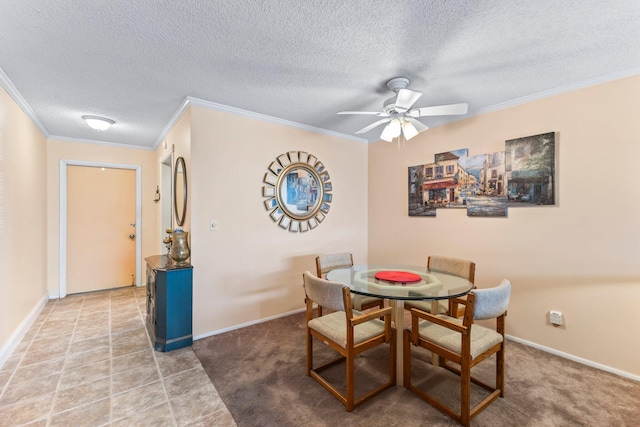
pixel 275 203
pixel 282 181
pixel 180 218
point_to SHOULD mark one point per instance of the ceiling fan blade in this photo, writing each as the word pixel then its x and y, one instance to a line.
pixel 374 124
pixel 371 113
pixel 442 110
pixel 406 98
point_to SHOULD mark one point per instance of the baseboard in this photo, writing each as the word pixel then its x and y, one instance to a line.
pixel 509 337
pixel 21 331
pixel 244 325
pixel 575 358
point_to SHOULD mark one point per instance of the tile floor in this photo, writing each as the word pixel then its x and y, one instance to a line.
pixel 87 361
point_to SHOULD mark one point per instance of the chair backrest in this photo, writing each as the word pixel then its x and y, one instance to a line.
pixel 457 267
pixel 492 302
pixel 326 263
pixel 324 292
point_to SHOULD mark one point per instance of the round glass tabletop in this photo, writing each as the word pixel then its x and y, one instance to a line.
pixel 425 285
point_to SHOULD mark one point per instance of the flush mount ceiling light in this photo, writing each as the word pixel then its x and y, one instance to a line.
pixel 98 123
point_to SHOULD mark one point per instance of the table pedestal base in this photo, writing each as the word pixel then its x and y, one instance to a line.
pixel 397 309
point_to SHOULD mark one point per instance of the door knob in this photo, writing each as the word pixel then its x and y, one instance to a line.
pixel 132 236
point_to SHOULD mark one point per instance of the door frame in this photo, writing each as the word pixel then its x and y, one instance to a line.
pixel 166 202
pixel 64 163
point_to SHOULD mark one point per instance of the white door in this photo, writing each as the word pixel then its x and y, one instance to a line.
pixel 101 215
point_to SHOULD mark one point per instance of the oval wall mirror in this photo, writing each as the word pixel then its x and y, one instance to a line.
pixel 180 190
pixel 298 191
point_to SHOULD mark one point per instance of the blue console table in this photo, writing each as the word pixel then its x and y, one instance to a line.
pixel 169 303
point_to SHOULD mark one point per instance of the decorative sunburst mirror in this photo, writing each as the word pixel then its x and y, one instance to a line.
pixel 298 191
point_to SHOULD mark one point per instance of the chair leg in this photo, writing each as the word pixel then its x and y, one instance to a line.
pixel 406 359
pixel 465 393
pixel 309 352
pixel 350 404
pixel 500 370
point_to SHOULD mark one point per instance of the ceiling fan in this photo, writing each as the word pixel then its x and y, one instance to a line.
pixel 401 119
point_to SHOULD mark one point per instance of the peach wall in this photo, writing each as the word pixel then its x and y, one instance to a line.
pixel 103 153
pixel 177 140
pixel 251 269
pixel 580 257
pixel 22 220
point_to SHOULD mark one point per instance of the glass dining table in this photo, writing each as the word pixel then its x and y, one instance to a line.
pixel 400 283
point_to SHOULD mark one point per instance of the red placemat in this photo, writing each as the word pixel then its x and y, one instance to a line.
pixel 398 276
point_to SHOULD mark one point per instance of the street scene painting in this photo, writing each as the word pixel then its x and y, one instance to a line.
pixel 417 206
pixel 487 184
pixel 530 170
pixel 487 196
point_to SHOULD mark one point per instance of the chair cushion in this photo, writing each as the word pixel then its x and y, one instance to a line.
pixel 324 292
pixel 492 302
pixel 481 338
pixel 334 327
pixel 332 261
pixel 426 306
pixel 457 267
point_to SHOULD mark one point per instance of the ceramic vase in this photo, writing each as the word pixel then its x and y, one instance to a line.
pixel 180 251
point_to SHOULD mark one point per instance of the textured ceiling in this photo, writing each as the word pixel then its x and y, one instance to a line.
pixel 301 61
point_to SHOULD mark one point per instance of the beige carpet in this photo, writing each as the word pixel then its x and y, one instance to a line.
pixel 259 372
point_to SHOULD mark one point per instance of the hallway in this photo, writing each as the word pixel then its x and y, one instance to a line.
pixel 87 361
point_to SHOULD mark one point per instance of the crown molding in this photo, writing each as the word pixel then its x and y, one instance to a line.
pixel 233 110
pixel 22 103
pixel 196 102
pixel 189 101
pixel 556 91
pixel 94 141
pixel 184 106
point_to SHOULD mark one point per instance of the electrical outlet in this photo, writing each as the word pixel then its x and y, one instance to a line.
pixel 555 317
pixel 214 225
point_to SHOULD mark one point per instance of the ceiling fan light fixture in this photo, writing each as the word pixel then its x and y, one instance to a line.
pixel 400 117
pixel 386 137
pixel 392 130
pixel 409 130
pixel 98 123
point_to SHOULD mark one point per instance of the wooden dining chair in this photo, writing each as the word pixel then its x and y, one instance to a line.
pixel 464 343
pixel 326 263
pixel 457 267
pixel 347 331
